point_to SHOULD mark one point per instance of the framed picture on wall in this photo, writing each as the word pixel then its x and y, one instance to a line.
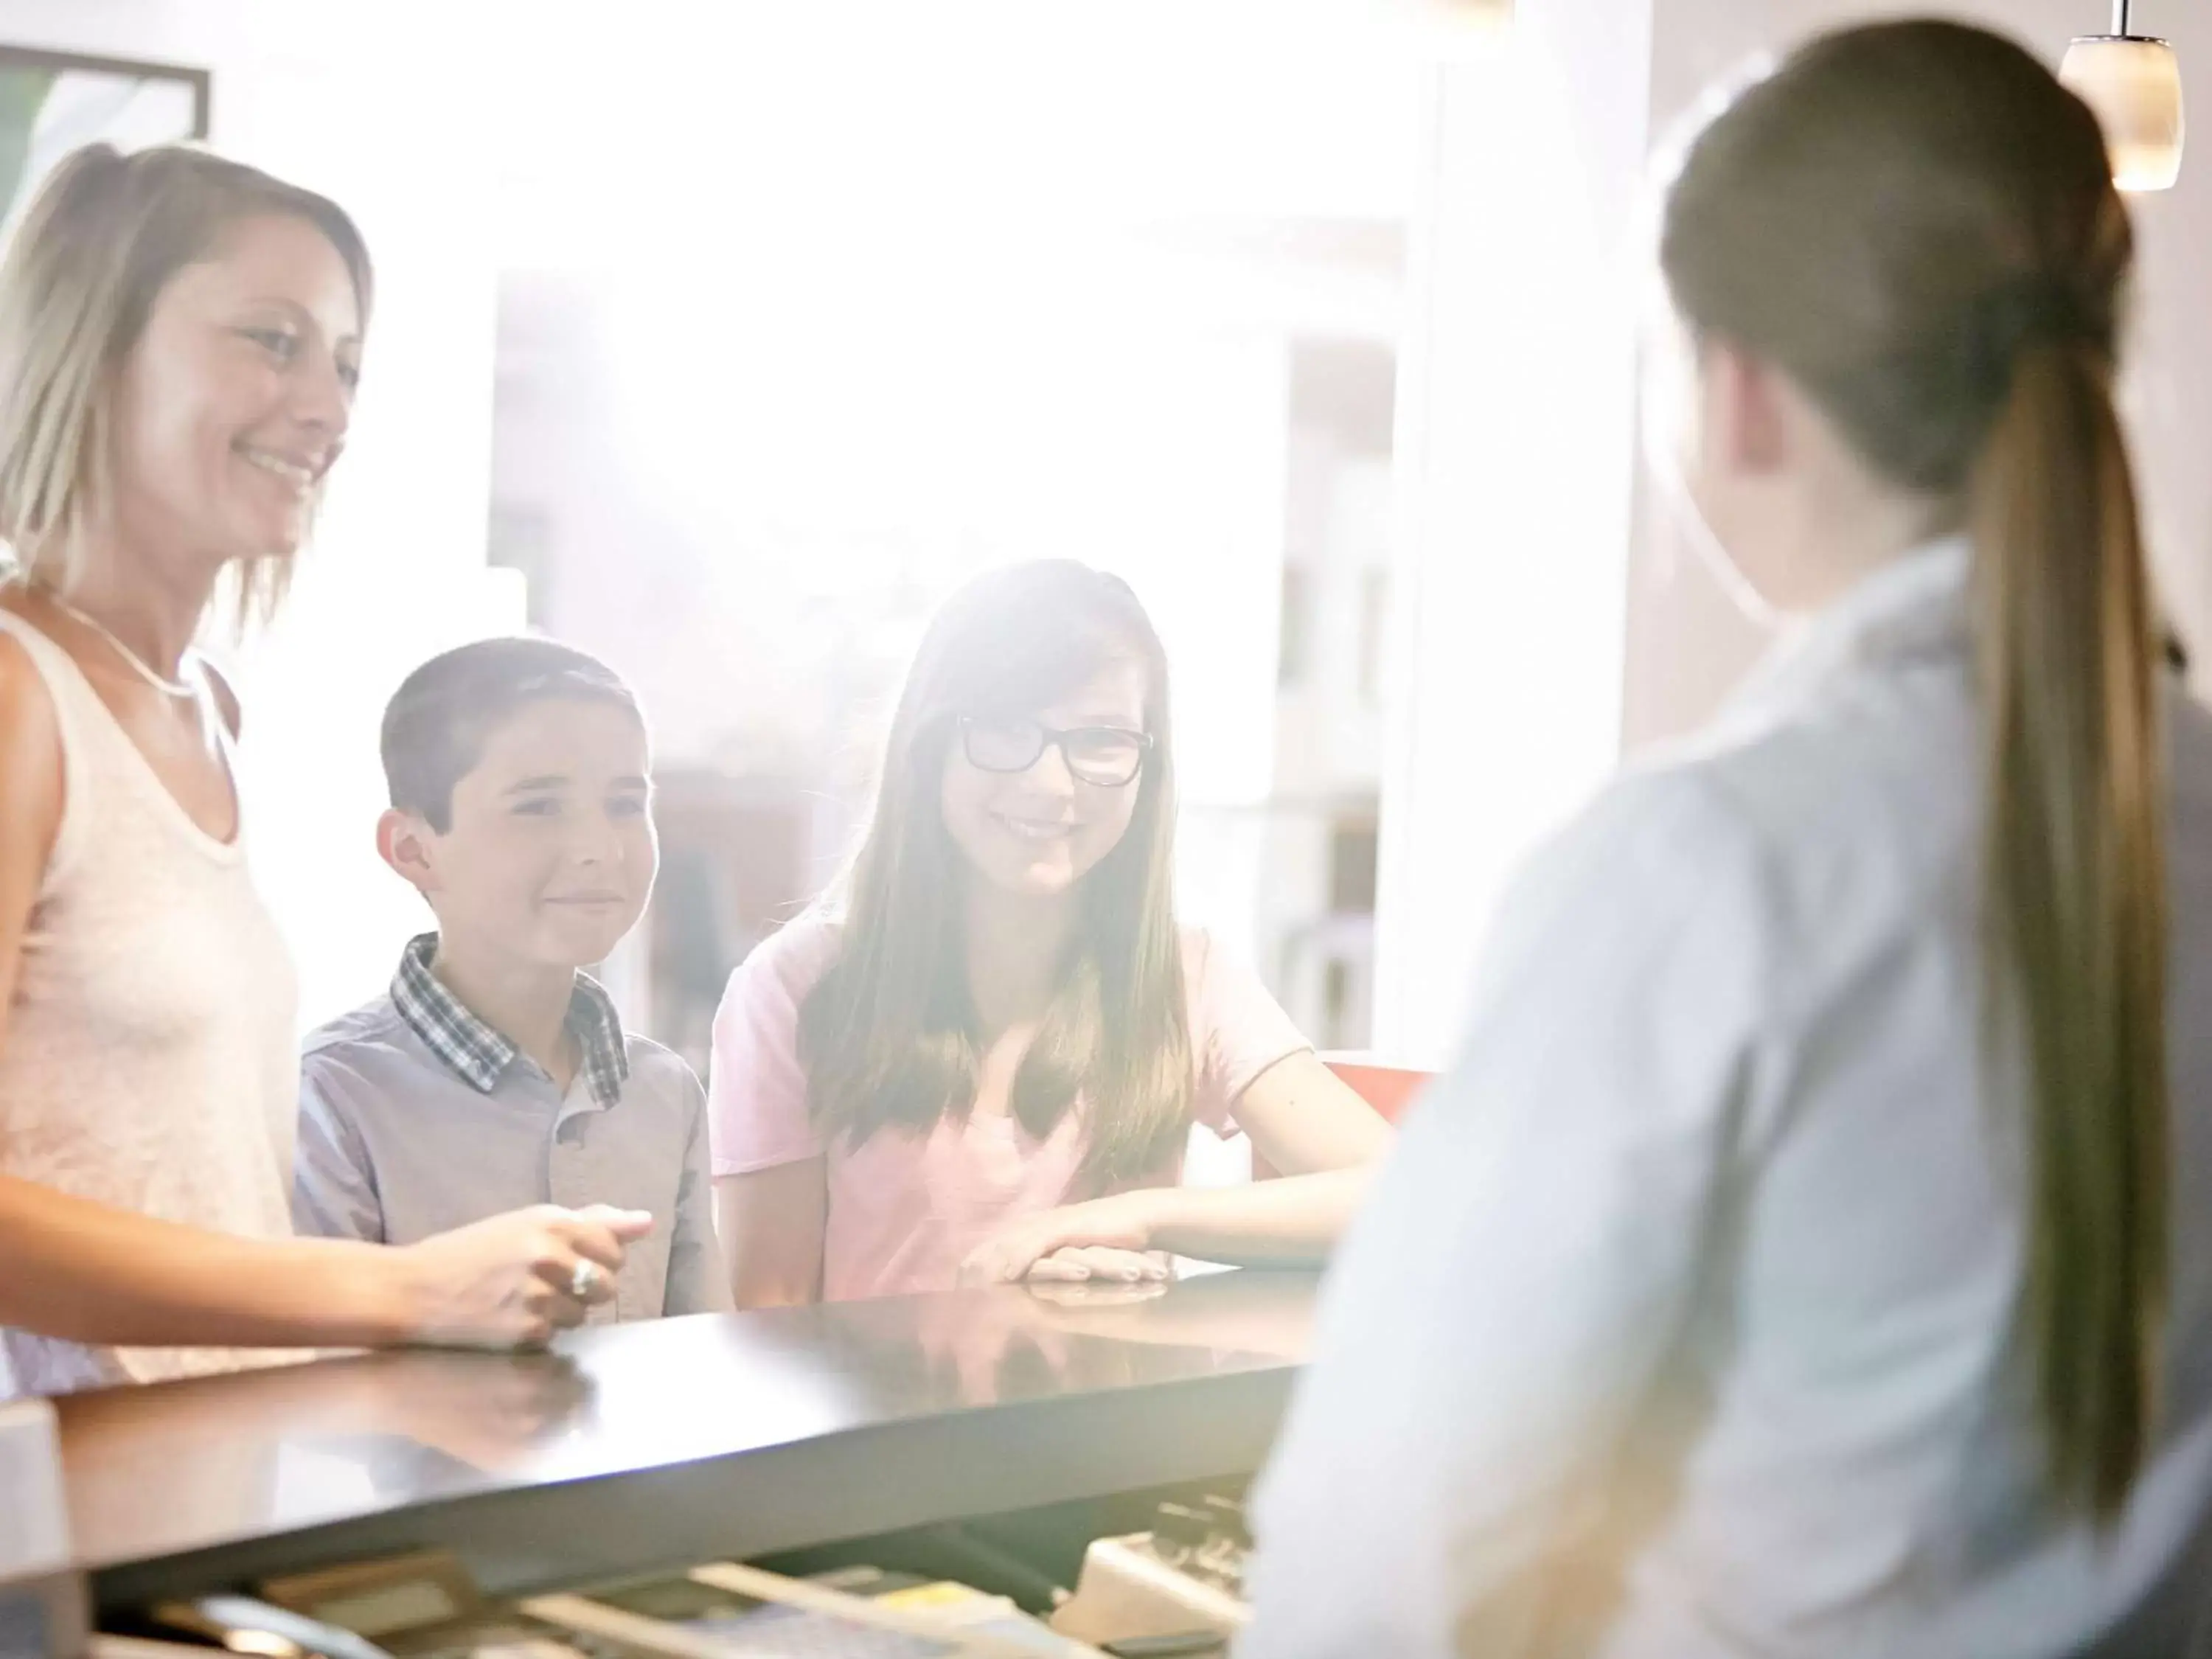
pixel 51 103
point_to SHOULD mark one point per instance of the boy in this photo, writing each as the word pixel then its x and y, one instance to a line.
pixel 495 1073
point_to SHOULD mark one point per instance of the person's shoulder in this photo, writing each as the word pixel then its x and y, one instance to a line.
pixel 1666 815
pixel 1203 950
pixel 1859 809
pixel 1212 965
pixel 1798 851
pixel 793 958
pixel 361 1061
pixel 30 732
pixel 1882 756
pixel 375 1028
pixel 28 715
pixel 17 670
pixel 1656 842
pixel 657 1072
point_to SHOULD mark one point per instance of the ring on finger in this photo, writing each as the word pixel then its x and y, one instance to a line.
pixel 584 1280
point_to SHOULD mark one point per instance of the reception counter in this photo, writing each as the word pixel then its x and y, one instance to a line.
pixel 642 1446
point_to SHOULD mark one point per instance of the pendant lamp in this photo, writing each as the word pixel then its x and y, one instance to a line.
pixel 2134 84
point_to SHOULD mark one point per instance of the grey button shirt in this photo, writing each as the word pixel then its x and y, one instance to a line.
pixel 396 1142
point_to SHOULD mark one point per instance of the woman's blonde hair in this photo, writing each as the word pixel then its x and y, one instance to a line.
pixel 1918 221
pixel 97 245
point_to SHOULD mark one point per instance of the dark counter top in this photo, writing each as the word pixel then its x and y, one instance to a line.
pixel 639 1447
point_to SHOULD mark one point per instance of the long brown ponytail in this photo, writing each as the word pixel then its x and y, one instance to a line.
pixel 1917 222
pixel 2075 886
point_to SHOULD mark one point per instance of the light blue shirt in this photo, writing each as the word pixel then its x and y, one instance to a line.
pixel 397 1145
pixel 1680 1324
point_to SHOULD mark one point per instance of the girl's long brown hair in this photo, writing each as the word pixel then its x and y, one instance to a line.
pixel 889 1036
pixel 1917 224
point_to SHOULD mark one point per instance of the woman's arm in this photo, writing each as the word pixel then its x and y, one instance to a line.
pixel 89 1273
pixel 1302 1119
pixel 771 1222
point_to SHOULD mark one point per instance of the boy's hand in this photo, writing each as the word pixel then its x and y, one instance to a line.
pixel 513 1281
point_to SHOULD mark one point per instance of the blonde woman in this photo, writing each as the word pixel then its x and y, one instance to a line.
pixel 180 340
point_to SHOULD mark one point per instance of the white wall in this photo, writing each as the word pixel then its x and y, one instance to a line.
pixel 372 107
pixel 1516 468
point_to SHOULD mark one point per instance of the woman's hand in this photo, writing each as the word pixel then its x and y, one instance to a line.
pixel 1106 1238
pixel 511 1282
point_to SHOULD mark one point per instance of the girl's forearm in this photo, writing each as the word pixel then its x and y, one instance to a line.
pixel 1292 1222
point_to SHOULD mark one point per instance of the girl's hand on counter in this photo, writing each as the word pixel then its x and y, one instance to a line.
pixel 513 1281
pixel 1107 1238
pixel 1097 1263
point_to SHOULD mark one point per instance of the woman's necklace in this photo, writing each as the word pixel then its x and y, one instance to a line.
pixel 170 688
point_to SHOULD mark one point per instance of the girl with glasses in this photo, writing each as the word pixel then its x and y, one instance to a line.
pixel 983 1059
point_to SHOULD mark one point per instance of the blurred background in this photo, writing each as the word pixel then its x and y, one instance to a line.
pixel 843 328
pixel 724 340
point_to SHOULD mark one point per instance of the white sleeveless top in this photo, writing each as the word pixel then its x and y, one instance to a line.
pixel 149 1061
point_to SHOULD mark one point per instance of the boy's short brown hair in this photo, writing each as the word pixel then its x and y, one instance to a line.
pixel 436 723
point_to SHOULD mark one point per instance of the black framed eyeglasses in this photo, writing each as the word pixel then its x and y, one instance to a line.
pixel 1104 756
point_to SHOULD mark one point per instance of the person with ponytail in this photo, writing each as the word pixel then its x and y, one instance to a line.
pixel 981 1059
pixel 1808 1254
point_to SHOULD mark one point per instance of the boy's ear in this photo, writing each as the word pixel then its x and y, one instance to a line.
pixel 403 841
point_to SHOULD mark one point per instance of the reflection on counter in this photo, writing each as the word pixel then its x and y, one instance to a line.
pixel 753 1433
pixel 301 1445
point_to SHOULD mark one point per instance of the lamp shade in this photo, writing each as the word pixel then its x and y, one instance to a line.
pixel 2134 85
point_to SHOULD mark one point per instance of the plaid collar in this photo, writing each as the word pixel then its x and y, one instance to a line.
pixel 480 1055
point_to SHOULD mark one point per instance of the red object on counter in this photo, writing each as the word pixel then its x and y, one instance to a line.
pixel 1389 1089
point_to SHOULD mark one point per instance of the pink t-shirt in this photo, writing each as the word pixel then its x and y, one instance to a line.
pixel 905 1207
